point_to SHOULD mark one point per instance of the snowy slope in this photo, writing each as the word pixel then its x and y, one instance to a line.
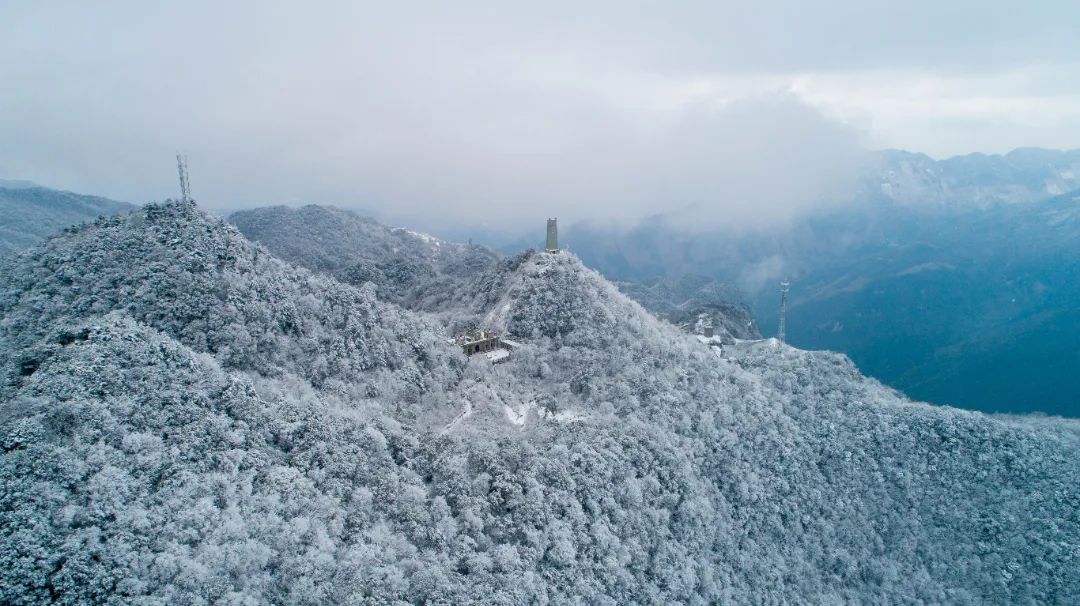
pixel 410 268
pixel 30 213
pixel 974 180
pixel 186 419
pixel 693 302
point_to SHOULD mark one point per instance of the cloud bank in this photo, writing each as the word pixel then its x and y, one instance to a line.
pixel 476 113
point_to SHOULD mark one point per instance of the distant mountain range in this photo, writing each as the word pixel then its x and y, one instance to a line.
pixel 30 213
pixel 974 180
pixel 186 418
pixel 953 280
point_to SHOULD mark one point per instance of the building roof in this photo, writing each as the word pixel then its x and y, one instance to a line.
pixel 476 337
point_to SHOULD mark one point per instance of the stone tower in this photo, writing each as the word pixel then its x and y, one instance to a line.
pixel 552 235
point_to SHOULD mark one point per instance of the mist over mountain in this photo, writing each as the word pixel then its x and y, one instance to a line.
pixel 188 419
pixel 29 213
pixel 949 279
pixel 695 302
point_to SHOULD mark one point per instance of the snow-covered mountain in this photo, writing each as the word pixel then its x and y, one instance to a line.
pixel 974 180
pixel 30 213
pixel 411 268
pixel 455 282
pixel 187 419
pixel 694 302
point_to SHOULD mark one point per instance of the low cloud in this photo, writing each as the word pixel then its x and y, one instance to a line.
pixel 752 161
pixel 479 114
pixel 748 161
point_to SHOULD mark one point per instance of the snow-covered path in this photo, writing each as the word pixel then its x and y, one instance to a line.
pixel 465 412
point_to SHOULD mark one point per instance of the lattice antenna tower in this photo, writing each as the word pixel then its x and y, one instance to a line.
pixel 781 334
pixel 185 186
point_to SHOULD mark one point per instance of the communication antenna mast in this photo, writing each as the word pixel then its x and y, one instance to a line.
pixel 781 334
pixel 185 187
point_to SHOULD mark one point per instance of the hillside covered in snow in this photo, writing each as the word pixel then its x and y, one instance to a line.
pixel 974 181
pixel 693 302
pixel 453 282
pixel 410 268
pixel 187 419
pixel 30 213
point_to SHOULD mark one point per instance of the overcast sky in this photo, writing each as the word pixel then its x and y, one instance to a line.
pixel 475 112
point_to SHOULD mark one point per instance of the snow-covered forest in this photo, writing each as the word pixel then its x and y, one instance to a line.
pixel 30 213
pixel 187 419
pixel 455 283
pixel 412 269
pixel 694 301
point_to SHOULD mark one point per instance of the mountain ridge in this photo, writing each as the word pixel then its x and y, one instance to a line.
pixel 456 282
pixel 153 457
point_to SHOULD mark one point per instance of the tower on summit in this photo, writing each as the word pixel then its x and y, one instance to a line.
pixel 185 186
pixel 781 334
pixel 552 236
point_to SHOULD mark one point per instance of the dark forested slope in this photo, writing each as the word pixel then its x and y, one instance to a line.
pixel 186 419
pixel 976 310
pixel 972 307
